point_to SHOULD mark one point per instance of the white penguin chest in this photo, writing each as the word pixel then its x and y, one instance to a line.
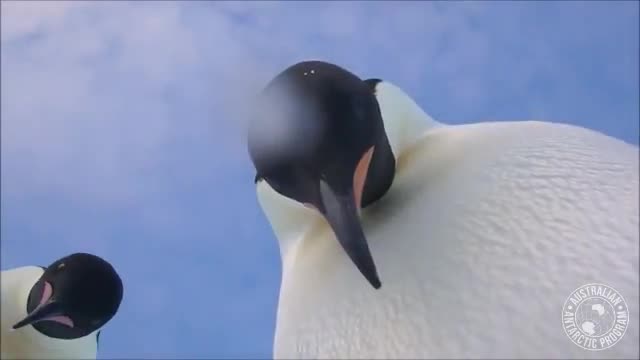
pixel 478 245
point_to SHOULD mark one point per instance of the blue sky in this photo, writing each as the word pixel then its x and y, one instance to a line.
pixel 122 131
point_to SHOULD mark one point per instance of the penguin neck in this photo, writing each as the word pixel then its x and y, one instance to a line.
pixel 29 288
pixel 34 294
pixel 404 121
pixel 289 220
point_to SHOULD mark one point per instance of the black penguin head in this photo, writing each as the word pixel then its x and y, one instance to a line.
pixel 75 296
pixel 318 138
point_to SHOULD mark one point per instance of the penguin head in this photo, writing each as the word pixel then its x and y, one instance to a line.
pixel 317 138
pixel 75 296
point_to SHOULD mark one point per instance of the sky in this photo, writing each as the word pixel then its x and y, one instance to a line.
pixel 123 131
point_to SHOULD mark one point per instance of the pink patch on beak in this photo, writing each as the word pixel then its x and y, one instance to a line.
pixel 46 295
pixel 360 176
pixel 64 320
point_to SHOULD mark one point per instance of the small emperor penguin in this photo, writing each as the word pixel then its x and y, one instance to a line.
pixel 56 312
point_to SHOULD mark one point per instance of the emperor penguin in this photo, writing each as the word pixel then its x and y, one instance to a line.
pixel 56 312
pixel 403 237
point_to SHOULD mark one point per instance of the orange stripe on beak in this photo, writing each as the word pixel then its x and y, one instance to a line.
pixel 360 175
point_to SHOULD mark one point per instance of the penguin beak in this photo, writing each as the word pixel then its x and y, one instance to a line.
pixel 46 311
pixel 341 213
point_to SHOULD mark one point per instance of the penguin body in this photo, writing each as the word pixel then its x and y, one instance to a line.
pixel 483 236
pixel 485 232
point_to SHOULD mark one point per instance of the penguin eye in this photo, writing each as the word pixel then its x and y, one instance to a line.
pixel 56 268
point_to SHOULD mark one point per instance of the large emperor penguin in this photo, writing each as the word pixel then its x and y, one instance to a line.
pixel 405 238
pixel 57 312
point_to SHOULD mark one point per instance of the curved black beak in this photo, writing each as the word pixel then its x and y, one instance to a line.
pixel 42 312
pixel 342 215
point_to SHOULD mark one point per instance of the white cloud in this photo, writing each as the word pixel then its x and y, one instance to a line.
pixel 20 19
pixel 85 84
pixel 82 109
pixel 97 95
